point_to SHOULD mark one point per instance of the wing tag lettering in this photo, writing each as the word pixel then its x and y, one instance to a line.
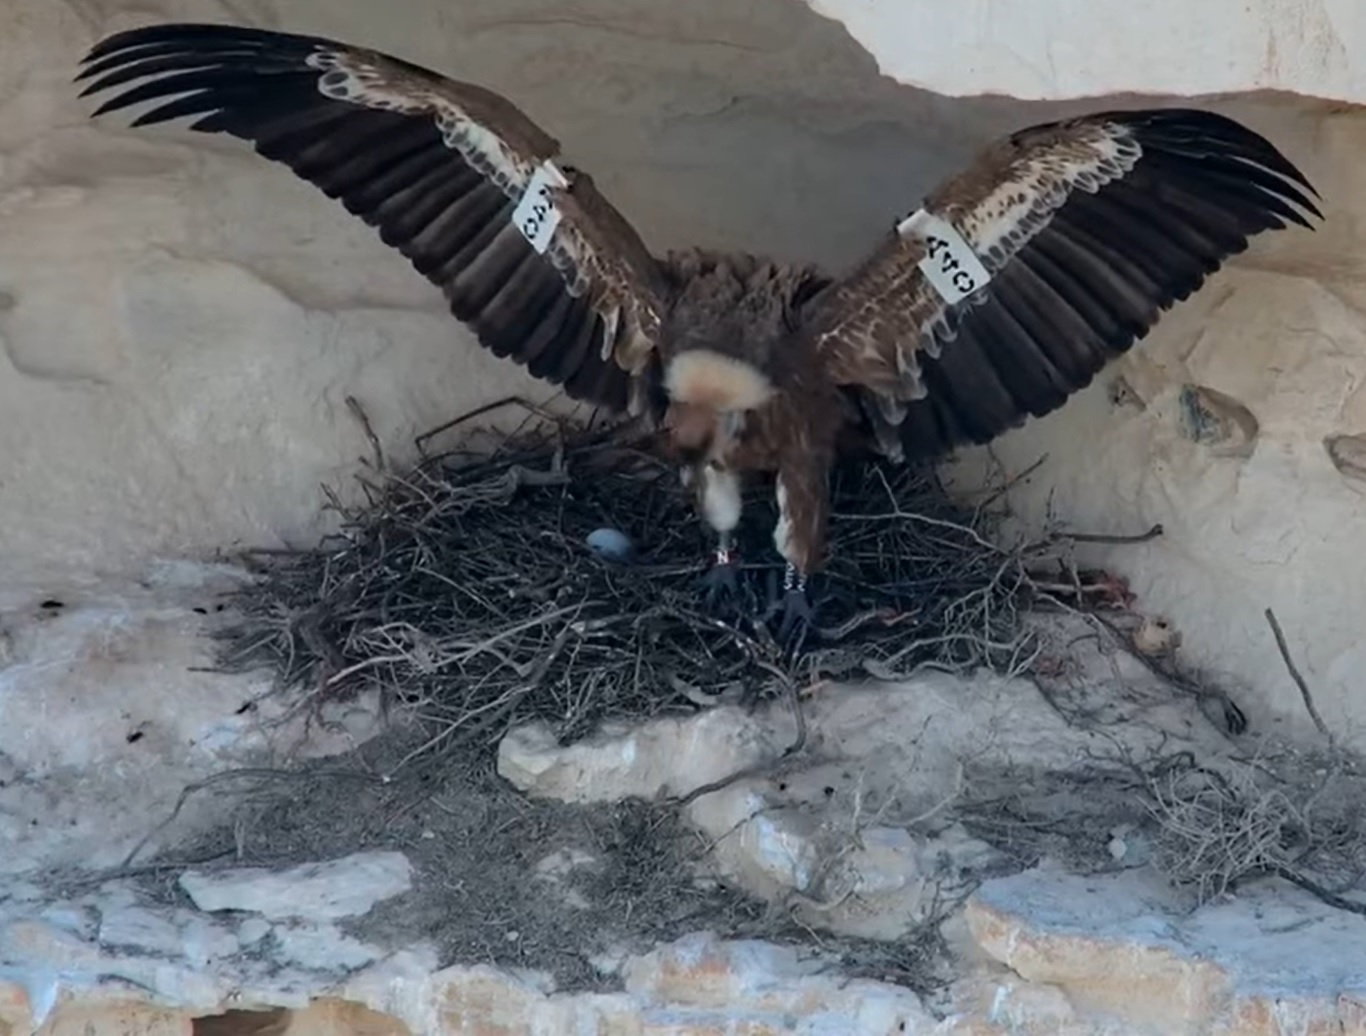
pixel 536 215
pixel 950 264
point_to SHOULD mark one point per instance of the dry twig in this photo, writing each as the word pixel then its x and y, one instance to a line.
pixel 1295 675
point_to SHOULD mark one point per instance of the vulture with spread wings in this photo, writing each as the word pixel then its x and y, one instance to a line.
pixel 1011 285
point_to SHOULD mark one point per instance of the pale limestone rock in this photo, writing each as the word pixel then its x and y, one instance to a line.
pixel 179 933
pixel 559 866
pixel 663 757
pixel 1116 953
pixel 685 988
pixel 107 714
pixel 115 1019
pixel 1278 527
pixel 253 930
pixel 321 947
pixel 1156 636
pixel 181 323
pixel 1348 453
pixel 760 985
pixel 327 891
pixel 1062 51
pixel 1052 953
pixel 847 833
pixel 167 957
pixel 561 863
pixel 1218 421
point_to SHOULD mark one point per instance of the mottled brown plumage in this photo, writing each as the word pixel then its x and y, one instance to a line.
pixel 1004 294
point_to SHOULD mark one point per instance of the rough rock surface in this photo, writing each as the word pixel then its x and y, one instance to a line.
pixel 108 712
pixel 839 827
pixel 181 325
pixel 1111 953
pixel 1038 951
pixel 1065 50
pixel 329 891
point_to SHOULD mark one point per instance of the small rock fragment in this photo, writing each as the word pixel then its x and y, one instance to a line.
pixel 1348 454
pixel 671 755
pixel 1156 636
pixel 321 947
pixel 327 891
pixel 1218 421
pixel 1123 394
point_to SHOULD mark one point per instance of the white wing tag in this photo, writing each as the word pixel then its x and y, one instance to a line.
pixel 950 264
pixel 536 215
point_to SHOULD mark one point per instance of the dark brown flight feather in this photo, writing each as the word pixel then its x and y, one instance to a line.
pixel 1084 260
pixel 437 167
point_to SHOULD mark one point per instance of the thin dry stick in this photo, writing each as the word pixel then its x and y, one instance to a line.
pixel 1314 888
pixel 353 404
pixel 480 411
pixel 1098 537
pixel 1295 675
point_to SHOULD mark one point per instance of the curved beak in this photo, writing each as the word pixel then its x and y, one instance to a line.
pixel 691 429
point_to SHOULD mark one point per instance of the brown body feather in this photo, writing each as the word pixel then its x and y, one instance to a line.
pixel 1085 231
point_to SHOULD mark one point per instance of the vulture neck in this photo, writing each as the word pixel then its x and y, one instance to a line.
pixel 710 395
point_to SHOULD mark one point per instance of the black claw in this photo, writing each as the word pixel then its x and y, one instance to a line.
pixel 798 618
pixel 796 614
pixel 723 591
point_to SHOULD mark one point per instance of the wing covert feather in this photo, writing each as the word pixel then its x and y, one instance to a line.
pixel 1088 229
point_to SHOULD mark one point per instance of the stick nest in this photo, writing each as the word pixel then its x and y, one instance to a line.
pixel 465 591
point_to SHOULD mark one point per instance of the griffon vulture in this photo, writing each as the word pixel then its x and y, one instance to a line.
pixel 1003 293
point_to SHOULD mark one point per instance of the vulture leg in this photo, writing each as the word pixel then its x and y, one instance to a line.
pixel 721 507
pixel 799 535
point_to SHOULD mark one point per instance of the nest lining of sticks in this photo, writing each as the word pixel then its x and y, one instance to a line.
pixel 464 589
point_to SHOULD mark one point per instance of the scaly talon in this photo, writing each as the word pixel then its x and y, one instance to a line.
pixel 797 613
pixel 722 590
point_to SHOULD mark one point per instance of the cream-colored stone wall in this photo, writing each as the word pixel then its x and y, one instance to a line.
pixel 1271 520
pixel 182 321
pixel 1072 48
pixel 1256 512
pixel 182 324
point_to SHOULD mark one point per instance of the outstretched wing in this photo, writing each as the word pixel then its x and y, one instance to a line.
pixel 1052 254
pixel 453 176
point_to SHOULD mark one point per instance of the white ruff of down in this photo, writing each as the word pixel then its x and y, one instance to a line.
pixel 721 503
pixel 707 378
pixel 782 529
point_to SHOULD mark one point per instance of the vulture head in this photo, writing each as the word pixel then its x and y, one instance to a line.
pixel 993 298
pixel 727 339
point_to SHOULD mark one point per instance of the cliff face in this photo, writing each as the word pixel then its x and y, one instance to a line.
pixel 182 322
pixel 182 325
pixel 1238 424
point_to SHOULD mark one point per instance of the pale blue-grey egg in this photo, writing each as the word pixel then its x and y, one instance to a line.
pixel 611 544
